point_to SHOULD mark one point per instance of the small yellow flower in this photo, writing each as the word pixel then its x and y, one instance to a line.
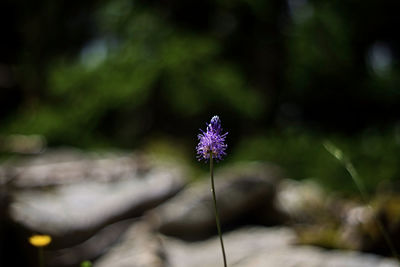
pixel 40 240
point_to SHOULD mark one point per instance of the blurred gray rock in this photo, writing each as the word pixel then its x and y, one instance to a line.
pixel 91 248
pixel 245 194
pixel 245 247
pixel 239 246
pixel 301 201
pixel 71 166
pixel 72 197
pixel 139 247
pixel 315 257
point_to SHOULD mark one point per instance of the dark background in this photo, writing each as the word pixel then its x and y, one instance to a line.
pixel 284 76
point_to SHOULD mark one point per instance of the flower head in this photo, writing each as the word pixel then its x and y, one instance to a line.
pixel 40 240
pixel 212 142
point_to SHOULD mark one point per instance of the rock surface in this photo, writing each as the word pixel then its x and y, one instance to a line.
pixel 91 248
pixel 139 247
pixel 92 206
pixel 301 202
pixel 314 257
pixel 72 199
pixel 71 167
pixel 245 192
pixel 246 247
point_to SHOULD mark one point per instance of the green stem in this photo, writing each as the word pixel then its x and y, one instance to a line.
pixel 41 260
pixel 216 209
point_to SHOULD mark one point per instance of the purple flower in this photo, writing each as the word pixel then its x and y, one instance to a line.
pixel 212 142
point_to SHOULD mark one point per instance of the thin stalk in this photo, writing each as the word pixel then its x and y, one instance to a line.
pixel 338 154
pixel 216 210
pixel 41 258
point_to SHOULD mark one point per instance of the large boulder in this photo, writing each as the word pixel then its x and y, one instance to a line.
pixel 71 196
pixel 245 194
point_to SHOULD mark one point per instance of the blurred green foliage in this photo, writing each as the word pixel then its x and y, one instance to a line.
pixel 86 264
pixel 122 73
pixel 374 155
